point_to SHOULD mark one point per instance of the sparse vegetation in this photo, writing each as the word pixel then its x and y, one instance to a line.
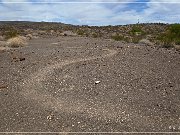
pixel 29 36
pixel 174 33
pixel 170 37
pixel 94 35
pixel 158 34
pixel 10 32
pixel 121 38
pixel 17 42
pixel 137 34
pixel 136 30
pixel 118 37
pixel 80 32
pixel 136 39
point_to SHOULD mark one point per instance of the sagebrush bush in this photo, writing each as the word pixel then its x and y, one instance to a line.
pixel 175 29
pixel 80 32
pixel 29 36
pixel 136 30
pixel 171 36
pixel 10 32
pixel 94 35
pixel 17 42
pixel 121 38
pixel 175 33
pixel 117 37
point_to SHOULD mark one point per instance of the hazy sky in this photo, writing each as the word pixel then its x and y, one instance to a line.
pixel 91 12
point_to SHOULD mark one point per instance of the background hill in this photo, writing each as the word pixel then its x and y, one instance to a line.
pixel 159 34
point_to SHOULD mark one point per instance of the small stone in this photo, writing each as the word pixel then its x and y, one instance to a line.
pixel 21 59
pixel 50 117
pixel 3 86
pixel 97 82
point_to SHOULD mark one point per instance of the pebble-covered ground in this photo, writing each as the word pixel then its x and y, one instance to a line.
pixel 75 84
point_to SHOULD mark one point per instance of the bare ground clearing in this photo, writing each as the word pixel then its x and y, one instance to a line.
pixel 50 85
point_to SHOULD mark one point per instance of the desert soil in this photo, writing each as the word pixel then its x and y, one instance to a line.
pixel 76 84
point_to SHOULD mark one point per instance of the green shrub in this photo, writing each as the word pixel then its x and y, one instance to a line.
pixel 177 41
pixel 120 38
pixel 136 30
pixel 174 33
pixel 80 32
pixel 175 30
pixel 10 32
pixel 171 36
pixel 117 37
pixel 94 35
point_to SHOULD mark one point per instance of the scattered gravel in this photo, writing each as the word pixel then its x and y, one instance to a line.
pixel 75 84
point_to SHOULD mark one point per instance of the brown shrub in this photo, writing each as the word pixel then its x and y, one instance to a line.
pixel 17 42
pixel 29 36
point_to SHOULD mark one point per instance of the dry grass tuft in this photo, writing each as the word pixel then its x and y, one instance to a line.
pixel 145 42
pixel 17 42
pixel 29 36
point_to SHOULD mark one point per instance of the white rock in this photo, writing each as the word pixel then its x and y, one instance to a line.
pixel 96 82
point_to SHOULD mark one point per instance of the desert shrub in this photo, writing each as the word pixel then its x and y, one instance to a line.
pixel 17 42
pixel 171 36
pixel 121 38
pixel 94 35
pixel 136 30
pixel 117 37
pixel 177 41
pixel 174 33
pixel 80 32
pixel 136 40
pixel 29 36
pixel 175 30
pixel 10 32
pixel 86 34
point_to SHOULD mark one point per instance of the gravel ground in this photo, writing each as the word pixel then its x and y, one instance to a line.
pixel 75 84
